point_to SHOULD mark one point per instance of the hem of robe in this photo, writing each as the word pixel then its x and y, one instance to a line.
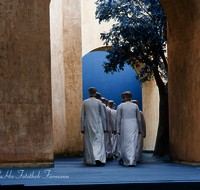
pixel 93 161
pixel 128 164
pixel 109 155
pixel 92 164
pixel 139 148
pixel 116 155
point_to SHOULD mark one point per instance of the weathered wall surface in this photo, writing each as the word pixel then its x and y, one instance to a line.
pixel 66 56
pixel 58 77
pixel 73 75
pixel 91 28
pixel 184 67
pixel 150 99
pixel 26 132
pixel 150 106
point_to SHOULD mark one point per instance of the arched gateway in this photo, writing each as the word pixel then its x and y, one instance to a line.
pixel 41 86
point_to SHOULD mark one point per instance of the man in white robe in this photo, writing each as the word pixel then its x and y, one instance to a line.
pixel 93 126
pixel 114 136
pixel 115 129
pixel 103 100
pixel 98 96
pixel 140 136
pixel 128 123
pixel 109 155
pixel 111 125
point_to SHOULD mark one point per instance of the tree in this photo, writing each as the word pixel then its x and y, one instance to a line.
pixel 139 35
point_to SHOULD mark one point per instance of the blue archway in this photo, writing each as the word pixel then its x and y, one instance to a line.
pixel 109 85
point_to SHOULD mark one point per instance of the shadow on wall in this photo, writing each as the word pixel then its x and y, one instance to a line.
pixel 109 85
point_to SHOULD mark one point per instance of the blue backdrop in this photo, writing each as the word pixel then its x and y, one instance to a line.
pixel 110 86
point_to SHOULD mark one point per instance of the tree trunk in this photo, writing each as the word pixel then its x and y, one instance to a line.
pixel 162 140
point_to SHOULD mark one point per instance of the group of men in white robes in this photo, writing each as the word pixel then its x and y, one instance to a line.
pixel 109 138
pixel 110 133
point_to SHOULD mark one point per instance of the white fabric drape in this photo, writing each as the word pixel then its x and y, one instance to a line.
pixel 128 124
pixel 93 123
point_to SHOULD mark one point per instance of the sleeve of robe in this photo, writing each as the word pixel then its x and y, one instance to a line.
pixel 143 124
pixel 108 123
pixel 103 116
pixel 115 126
pixel 118 120
pixel 83 117
pixel 138 114
pixel 106 115
pixel 111 121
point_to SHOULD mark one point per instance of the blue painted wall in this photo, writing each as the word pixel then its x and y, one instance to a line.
pixel 110 86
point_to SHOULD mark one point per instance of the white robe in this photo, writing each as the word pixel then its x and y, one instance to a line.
pixel 128 125
pixel 115 129
pixel 93 123
pixel 105 134
pixel 115 147
pixel 140 138
pixel 112 115
pixel 109 135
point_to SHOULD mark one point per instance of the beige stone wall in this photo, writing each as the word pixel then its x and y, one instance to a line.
pixel 58 77
pixel 26 130
pixel 66 76
pixel 150 100
pixel 91 28
pixel 73 75
pixel 184 79
pixel 150 106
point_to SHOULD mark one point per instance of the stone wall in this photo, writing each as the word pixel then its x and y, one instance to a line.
pixel 150 106
pixel 66 56
pixel 26 130
pixel 184 67
pixel 73 75
pixel 58 77
pixel 91 28
pixel 150 99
